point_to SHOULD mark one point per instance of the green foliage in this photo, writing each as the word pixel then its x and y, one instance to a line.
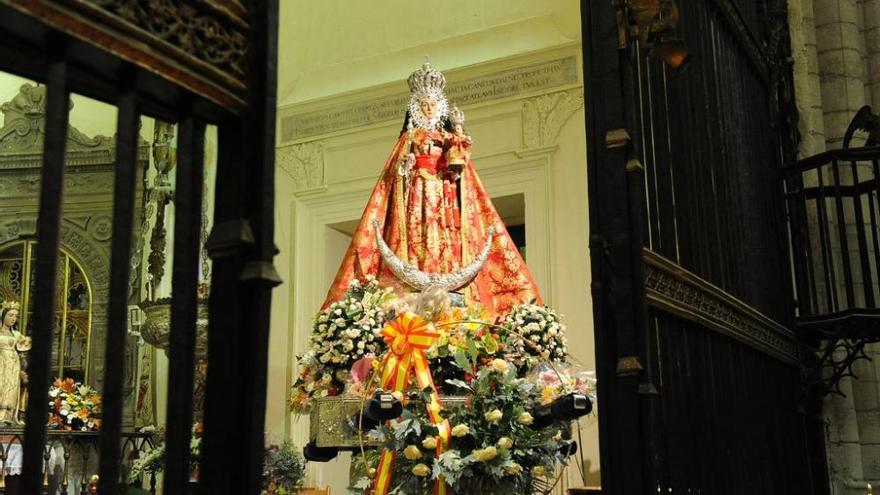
pixel 498 454
pixel 284 468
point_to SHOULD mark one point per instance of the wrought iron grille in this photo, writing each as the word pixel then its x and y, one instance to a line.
pixel 193 63
pixel 834 217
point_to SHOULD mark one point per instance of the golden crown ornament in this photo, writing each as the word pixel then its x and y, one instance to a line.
pixel 427 83
pixel 10 305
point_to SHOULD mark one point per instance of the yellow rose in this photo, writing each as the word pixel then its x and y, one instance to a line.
pixel 525 418
pixel 371 472
pixel 421 470
pixel 499 365
pixel 429 443
pixel 460 430
pixel 412 452
pixel 505 443
pixel 538 471
pixel 558 436
pixel 512 469
pixel 493 416
pixel 485 455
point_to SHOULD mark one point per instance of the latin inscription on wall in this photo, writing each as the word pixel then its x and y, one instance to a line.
pixel 521 80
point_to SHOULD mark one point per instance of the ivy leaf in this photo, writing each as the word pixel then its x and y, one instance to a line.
pixel 462 361
pixel 459 384
pixel 472 350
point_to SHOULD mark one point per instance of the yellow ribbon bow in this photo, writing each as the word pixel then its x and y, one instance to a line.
pixel 408 337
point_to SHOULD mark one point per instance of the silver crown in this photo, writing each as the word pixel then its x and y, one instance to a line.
pixel 456 116
pixel 426 80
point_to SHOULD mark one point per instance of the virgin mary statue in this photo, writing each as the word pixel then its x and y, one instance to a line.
pixel 433 214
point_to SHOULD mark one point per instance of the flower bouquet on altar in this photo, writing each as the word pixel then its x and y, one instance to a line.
pixel 152 461
pixel 347 331
pixel 74 406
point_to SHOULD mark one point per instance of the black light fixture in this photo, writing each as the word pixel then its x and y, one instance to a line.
pixel 568 448
pixel 542 418
pixel 319 454
pixel 571 406
pixel 360 421
pixel 383 407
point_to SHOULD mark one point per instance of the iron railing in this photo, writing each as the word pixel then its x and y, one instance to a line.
pixel 69 459
pixel 834 220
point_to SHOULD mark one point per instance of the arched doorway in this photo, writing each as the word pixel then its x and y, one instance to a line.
pixel 73 307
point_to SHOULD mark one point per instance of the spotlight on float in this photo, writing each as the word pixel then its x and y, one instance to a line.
pixel 571 406
pixel 319 454
pixel 673 52
pixel 360 421
pixel 543 417
pixel 568 448
pixel 383 407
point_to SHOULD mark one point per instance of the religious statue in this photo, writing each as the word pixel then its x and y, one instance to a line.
pixel 429 222
pixel 13 349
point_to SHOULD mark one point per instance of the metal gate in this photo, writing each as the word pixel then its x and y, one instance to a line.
pixel 699 370
pixel 193 63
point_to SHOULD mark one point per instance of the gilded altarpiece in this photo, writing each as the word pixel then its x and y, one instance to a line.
pixel 84 236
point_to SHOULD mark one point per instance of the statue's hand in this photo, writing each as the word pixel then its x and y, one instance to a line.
pixel 24 377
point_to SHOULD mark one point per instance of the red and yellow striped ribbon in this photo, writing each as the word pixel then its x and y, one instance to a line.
pixel 408 337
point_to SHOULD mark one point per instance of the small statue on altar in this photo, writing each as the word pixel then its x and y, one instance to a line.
pixel 13 349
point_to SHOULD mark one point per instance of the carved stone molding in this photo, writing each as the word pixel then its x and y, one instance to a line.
pixel 671 288
pixel 543 116
pixel 304 163
pixel 528 79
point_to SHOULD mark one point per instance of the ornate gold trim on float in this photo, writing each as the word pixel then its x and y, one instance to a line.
pixel 673 289
pixel 199 44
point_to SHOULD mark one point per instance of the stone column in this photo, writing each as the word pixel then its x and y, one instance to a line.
pixel 871 16
pixel 808 95
pixel 840 49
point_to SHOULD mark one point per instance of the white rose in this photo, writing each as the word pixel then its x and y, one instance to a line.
pixel 499 365
pixel 486 454
pixel 412 452
pixel 493 416
pixel 525 418
pixel 512 469
pixel 460 430
pixel 429 443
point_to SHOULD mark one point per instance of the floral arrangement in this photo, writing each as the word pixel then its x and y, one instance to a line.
pixel 534 334
pixel 560 379
pixel 466 341
pixel 283 469
pixel 152 461
pixel 345 332
pixel 74 406
pixel 494 448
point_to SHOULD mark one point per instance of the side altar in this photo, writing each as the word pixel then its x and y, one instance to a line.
pixel 433 357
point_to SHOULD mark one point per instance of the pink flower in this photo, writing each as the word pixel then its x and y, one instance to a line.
pixel 361 368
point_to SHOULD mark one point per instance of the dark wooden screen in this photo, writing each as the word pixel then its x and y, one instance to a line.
pixel 194 63
pixel 700 384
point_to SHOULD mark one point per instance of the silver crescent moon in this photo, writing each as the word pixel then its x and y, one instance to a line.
pixel 421 281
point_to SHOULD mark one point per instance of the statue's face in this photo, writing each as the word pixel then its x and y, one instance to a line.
pixel 10 319
pixel 428 107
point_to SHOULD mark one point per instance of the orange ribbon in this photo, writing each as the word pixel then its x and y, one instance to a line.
pixel 408 337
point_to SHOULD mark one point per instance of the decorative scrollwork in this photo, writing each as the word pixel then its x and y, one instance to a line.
pixel 833 362
pixel 185 24
pixel 672 288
